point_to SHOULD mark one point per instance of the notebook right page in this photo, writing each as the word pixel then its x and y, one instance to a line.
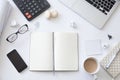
pixel 65 51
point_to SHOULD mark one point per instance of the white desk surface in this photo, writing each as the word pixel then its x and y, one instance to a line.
pixel 86 32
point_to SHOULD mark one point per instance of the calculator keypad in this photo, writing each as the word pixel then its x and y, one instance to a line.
pixel 32 8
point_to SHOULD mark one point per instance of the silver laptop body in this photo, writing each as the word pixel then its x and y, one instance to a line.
pixel 97 12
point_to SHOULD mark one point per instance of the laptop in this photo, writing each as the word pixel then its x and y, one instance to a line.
pixel 97 12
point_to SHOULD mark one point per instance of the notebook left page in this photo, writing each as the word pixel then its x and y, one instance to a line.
pixel 41 51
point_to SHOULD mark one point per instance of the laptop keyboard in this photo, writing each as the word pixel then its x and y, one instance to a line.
pixel 103 5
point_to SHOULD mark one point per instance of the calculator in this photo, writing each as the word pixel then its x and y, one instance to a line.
pixel 32 8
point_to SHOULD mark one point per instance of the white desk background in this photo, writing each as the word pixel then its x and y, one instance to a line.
pixel 62 23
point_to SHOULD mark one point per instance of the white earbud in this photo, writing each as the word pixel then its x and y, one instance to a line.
pixel 51 14
pixel 48 14
pixel 14 23
pixel 73 25
pixel 105 46
pixel 54 13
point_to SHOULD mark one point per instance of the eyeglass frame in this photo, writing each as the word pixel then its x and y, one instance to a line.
pixel 18 32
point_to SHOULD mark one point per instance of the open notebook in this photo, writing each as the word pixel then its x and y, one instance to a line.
pixel 54 51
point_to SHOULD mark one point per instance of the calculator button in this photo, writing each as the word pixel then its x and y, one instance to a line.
pixel 36 11
pixel 33 1
pixel 26 5
pixel 30 3
pixel 28 8
pixel 29 16
pixel 33 14
pixel 24 11
pixel 22 8
pixel 37 6
pixel 39 9
pixel 32 6
pixel 20 5
pixel 39 1
pixel 27 13
pixel 31 11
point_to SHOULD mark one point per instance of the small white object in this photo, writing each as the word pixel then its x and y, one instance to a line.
pixel 54 13
pixel 37 25
pixel 105 46
pixel 14 23
pixel 95 77
pixel 73 25
pixel 48 14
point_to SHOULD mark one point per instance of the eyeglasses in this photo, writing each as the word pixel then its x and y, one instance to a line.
pixel 11 38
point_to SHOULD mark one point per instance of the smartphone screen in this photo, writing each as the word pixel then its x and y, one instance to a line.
pixel 16 60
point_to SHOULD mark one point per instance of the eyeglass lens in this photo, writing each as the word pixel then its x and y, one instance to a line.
pixel 23 29
pixel 12 37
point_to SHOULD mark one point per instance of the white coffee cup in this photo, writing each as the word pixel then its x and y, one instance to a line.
pixel 91 65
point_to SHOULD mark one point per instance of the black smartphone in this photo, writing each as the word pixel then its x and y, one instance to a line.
pixel 16 60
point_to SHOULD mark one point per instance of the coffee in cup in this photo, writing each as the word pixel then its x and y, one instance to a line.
pixel 91 65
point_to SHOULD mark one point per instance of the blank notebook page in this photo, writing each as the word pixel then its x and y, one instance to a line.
pixel 65 51
pixel 41 51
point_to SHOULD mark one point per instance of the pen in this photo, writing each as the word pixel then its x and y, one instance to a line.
pixel 108 65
